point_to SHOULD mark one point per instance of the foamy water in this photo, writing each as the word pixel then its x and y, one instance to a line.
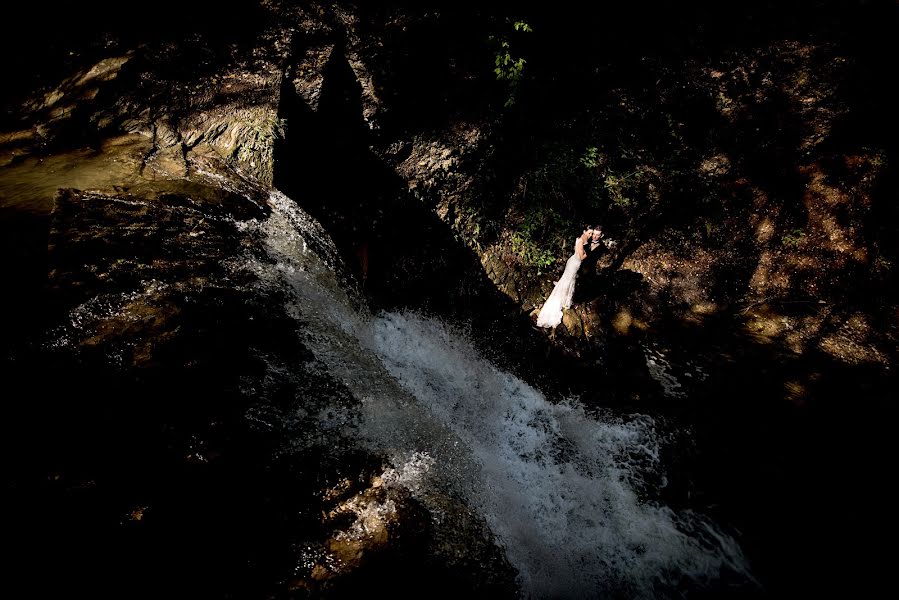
pixel 559 488
pixel 555 484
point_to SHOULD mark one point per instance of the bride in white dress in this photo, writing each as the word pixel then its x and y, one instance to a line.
pixel 551 313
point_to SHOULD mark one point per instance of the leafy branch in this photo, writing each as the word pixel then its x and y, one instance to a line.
pixel 509 68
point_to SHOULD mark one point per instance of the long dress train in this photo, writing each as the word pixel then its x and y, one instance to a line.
pixel 551 313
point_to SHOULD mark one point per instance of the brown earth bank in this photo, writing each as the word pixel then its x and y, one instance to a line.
pixel 743 164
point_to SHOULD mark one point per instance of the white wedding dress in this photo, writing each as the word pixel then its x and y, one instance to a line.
pixel 551 313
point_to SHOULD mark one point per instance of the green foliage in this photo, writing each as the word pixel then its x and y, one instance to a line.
pixel 530 252
pixel 568 178
pixel 509 68
pixel 617 190
pixel 794 237
pixel 568 186
pixel 560 192
pixel 882 263
pixel 522 26
pixel 529 241
pixel 546 183
pixel 624 188
pixel 590 159
pixel 876 156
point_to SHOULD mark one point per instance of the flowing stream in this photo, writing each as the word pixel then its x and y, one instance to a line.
pixel 568 494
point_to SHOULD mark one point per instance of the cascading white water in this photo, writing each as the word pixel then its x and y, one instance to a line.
pixel 558 487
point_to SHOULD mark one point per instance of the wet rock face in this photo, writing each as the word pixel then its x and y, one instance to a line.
pixel 125 266
pixel 177 440
pixel 164 427
pixel 132 406
pixel 373 529
pixel 181 436
pixel 207 101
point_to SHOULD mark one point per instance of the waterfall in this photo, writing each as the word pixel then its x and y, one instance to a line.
pixel 563 490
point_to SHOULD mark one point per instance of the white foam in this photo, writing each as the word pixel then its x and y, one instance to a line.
pixel 661 370
pixel 556 485
pixel 561 489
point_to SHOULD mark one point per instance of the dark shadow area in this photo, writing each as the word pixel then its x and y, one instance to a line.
pixel 57 100
pixel 791 452
pixel 325 165
pixel 765 140
pixel 401 252
pixel 131 468
pixel 883 225
pixel 133 481
pixel 434 62
pixel 23 261
pixel 49 39
pixel 627 76
pixel 168 437
pixel 148 476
